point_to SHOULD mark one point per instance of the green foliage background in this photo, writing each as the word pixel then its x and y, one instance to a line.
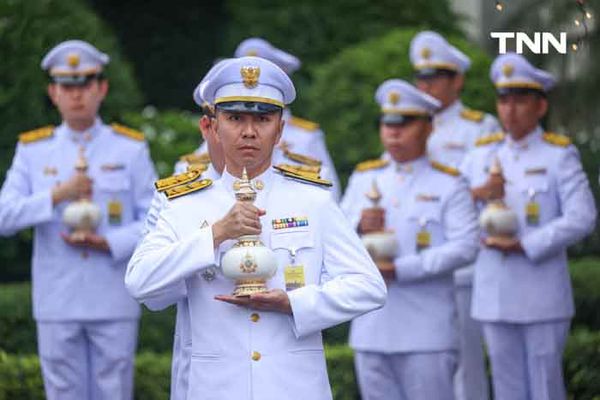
pixel 341 96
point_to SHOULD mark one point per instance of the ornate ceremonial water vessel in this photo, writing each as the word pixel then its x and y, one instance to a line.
pixel 249 262
pixel 497 219
pixel 383 244
pixel 82 216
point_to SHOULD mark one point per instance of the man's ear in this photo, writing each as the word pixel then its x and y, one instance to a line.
pixel 280 133
pixel 458 82
pixel 542 107
pixel 52 92
pixel 103 86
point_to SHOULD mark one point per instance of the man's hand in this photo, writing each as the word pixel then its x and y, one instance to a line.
pixel 77 187
pixel 372 220
pixel 273 300
pixel 504 244
pixel 88 240
pixel 387 269
pixel 493 189
pixel 242 219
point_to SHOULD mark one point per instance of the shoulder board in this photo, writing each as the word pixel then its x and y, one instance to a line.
pixel 371 164
pixel 129 132
pixel 182 190
pixel 190 175
pixel 472 115
pixel 307 169
pixel 302 159
pixel 489 139
pixel 36 134
pixel 557 139
pixel 299 170
pixel 303 177
pixel 304 123
pixel 195 158
pixel 445 168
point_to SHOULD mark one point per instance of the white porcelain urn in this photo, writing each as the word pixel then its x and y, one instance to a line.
pixel 82 216
pixel 249 262
pixel 383 244
pixel 497 219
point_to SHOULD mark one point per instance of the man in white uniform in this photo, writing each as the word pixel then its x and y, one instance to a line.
pixel 302 141
pixel 440 71
pixel 522 291
pixel 267 345
pixel 408 349
pixel 86 321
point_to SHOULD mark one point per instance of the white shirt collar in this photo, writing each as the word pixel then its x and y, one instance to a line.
pixel 448 113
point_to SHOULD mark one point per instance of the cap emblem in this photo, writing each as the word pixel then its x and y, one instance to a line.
pixel 252 53
pixel 250 76
pixel 425 53
pixel 73 60
pixel 508 70
pixel 394 97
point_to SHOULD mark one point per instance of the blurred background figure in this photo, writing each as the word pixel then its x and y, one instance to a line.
pixel 84 187
pixel 522 289
pixel 408 349
pixel 440 70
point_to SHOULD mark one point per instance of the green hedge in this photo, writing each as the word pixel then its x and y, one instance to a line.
pixel 20 375
pixel 341 96
pixel 17 328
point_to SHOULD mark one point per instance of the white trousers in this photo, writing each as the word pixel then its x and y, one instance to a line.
pixel 87 360
pixel 406 376
pixel 526 359
pixel 470 381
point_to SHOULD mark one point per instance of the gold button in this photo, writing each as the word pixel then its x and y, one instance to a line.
pixel 254 317
pixel 255 356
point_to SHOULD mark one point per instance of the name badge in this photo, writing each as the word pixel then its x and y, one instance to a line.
pixel 294 277
pixel 115 212
pixel 423 236
pixel 532 210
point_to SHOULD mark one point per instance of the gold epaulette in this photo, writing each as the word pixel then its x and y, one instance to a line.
pixel 129 132
pixel 182 190
pixel 308 177
pixel 304 124
pixel 195 158
pixel 489 139
pixel 557 139
pixel 371 164
pixel 36 134
pixel 472 115
pixel 190 175
pixel 308 169
pixel 302 159
pixel 445 168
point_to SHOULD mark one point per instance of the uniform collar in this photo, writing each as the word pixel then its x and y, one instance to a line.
pixel 529 139
pixel 260 183
pixel 448 113
pixel 79 137
pixel 411 167
pixel 211 171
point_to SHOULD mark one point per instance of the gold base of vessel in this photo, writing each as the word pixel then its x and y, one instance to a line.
pixel 244 288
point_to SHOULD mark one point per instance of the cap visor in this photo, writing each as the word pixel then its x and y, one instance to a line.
pixel 393 119
pixel 248 107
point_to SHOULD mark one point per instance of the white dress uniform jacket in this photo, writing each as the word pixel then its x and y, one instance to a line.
pixel 237 353
pixel 182 339
pixel 420 314
pixel 456 129
pixel 67 285
pixel 534 286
